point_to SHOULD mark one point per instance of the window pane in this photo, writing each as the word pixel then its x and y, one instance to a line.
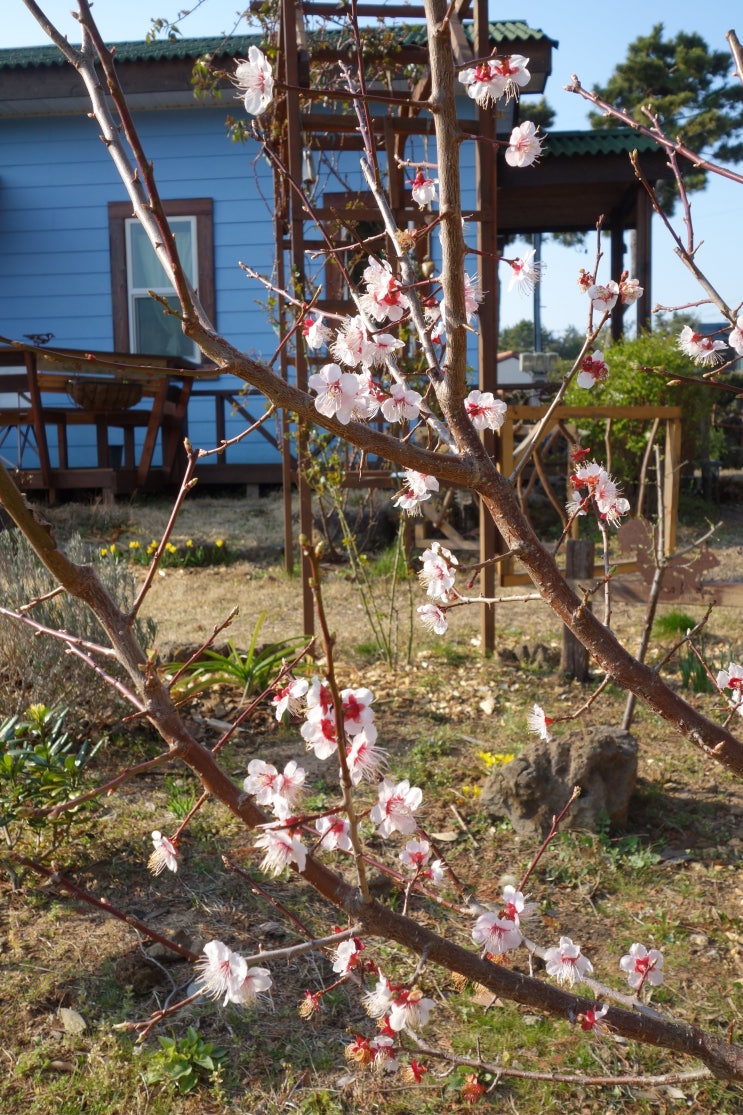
pixel 158 332
pixel 145 270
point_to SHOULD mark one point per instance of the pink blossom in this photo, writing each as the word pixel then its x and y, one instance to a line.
pixel 409 1010
pixel 402 405
pixel 396 804
pixel 315 332
pixel 735 339
pixel 593 370
pixel 539 723
pixel 703 350
pixel 351 345
pixel 165 854
pixel 515 906
pixel 382 1048
pixel 348 955
pixel 592 1019
pixel 416 857
pixel 424 189
pixel 357 711
pixel 221 971
pixel 288 786
pixel 630 290
pixel 731 679
pixel 364 758
pixel 524 273
pixel 604 298
pixel 260 781
pixel 472 296
pixel 497 77
pixel 254 78
pixel 336 392
pixel 434 618
pixel 319 733
pixel 496 935
pixel 566 963
pixel 334 833
pixel 418 488
pixel 257 980
pixel 380 346
pixel 288 697
pixel 485 411
pixel 384 299
pixel 281 848
pixel 378 1001
pixel 525 146
pixel 439 571
pixel 585 279
pixel 642 966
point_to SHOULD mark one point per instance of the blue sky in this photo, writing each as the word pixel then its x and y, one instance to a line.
pixel 592 41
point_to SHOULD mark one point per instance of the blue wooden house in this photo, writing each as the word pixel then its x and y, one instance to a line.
pixel 75 268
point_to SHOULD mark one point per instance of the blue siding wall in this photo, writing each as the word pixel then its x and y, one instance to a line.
pixel 56 181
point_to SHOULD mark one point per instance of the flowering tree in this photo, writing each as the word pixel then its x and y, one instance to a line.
pixel 362 379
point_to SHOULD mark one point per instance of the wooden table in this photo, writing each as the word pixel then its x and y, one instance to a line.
pixel 47 379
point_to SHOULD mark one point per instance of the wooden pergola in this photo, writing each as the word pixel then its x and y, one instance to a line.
pixel 583 177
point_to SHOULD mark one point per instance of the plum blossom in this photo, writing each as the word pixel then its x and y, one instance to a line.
pixel 287 787
pixel 525 145
pixel 592 1019
pixel 357 711
pixel 604 298
pixel 334 833
pixel 255 79
pixel 165 854
pixel 496 934
pixel 364 758
pixel 642 966
pixel 732 679
pixel 585 279
pixel 403 404
pixel 735 340
pixel 380 346
pixel 288 696
pixel 224 972
pixel 417 489
pixel 498 77
pixel 593 369
pixel 703 350
pixel 384 299
pixel 281 848
pixel 221 971
pixel 630 290
pixel 423 189
pixel 485 411
pixel 257 980
pixel 409 1010
pixel 351 345
pixel 260 781
pixel 396 804
pixel 315 332
pixel 539 723
pixel 318 732
pixel 602 489
pixel 434 618
pixel 416 857
pixel 348 955
pixel 439 571
pixel 515 906
pixel 336 392
pixel 525 274
pixel 472 296
pixel 378 1001
pixel 566 963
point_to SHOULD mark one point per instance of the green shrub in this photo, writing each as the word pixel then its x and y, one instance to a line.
pixel 629 384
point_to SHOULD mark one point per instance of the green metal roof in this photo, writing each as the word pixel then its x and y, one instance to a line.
pixel 33 57
pixel 603 141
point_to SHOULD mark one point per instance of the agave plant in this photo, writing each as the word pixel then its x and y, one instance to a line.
pixel 251 670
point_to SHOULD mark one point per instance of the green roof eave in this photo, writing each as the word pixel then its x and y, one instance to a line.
pixel 601 141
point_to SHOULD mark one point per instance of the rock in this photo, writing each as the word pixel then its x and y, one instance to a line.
pixel 536 785
pixel 72 1021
